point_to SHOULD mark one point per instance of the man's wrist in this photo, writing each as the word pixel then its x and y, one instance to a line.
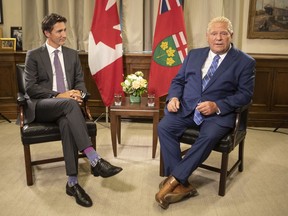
pixel 173 98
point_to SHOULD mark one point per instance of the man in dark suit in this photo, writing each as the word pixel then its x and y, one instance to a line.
pixel 204 98
pixel 54 99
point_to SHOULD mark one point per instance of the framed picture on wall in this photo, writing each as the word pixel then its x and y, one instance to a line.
pixel 268 19
pixel 1 13
pixel 16 32
pixel 7 44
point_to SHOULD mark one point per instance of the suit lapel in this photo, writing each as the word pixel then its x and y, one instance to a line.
pixel 47 63
pixel 197 63
pixel 66 60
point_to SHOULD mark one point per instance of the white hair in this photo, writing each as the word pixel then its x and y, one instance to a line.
pixel 221 19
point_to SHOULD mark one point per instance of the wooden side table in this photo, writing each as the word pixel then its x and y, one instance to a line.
pixel 133 109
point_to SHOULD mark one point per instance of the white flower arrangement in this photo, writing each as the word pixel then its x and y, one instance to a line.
pixel 135 84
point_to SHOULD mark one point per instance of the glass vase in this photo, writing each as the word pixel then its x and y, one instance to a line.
pixel 135 99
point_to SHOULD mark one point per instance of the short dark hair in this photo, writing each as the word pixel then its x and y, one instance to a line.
pixel 50 20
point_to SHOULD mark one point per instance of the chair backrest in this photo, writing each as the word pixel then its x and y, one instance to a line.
pixel 20 74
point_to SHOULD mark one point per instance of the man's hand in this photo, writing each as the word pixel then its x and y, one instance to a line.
pixel 73 94
pixel 173 105
pixel 207 108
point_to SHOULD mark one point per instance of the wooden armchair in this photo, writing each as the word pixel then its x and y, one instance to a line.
pixel 235 138
pixel 36 133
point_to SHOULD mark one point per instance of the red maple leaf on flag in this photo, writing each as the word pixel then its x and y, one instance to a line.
pixel 106 30
pixel 105 50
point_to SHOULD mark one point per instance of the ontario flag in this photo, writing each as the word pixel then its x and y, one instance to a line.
pixel 169 46
pixel 105 50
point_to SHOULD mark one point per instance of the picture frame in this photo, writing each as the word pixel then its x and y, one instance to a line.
pixel 1 12
pixel 7 44
pixel 16 32
pixel 268 19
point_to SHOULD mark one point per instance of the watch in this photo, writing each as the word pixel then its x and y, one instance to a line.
pixel 83 94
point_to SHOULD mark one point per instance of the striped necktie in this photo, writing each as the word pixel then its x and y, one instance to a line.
pixel 198 118
pixel 210 72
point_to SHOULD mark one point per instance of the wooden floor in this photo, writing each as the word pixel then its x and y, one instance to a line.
pixel 262 189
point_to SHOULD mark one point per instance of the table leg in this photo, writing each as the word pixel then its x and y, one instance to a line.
pixel 119 129
pixel 155 133
pixel 113 125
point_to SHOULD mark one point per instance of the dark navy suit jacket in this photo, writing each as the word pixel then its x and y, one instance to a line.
pixel 230 87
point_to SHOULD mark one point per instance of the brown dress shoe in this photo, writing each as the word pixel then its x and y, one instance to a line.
pixel 168 187
pixel 163 182
pixel 181 192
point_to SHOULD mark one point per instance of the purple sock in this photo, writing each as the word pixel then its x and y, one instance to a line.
pixel 92 155
pixel 72 180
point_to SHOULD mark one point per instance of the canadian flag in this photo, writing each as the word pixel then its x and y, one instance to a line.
pixel 105 50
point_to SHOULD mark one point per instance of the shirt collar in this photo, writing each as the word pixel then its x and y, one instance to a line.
pixel 222 56
pixel 52 49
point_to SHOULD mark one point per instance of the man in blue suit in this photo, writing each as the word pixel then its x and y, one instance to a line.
pixel 206 98
pixel 50 100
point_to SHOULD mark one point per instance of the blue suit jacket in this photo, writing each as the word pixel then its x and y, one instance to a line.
pixel 39 76
pixel 230 87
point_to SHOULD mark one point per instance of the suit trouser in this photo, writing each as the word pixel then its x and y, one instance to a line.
pixel 74 134
pixel 170 129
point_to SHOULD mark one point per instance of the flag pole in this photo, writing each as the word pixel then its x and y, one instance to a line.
pixel 106 109
pixel 106 118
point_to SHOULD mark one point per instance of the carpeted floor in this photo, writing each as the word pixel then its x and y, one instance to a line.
pixel 260 190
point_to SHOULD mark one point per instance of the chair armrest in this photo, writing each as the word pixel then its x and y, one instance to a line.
pixel 21 100
pixel 240 123
pixel 243 108
pixel 86 110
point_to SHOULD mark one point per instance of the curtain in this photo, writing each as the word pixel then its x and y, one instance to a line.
pixel 132 25
pixel 234 11
pixel 138 18
pixel 79 18
pixel 32 13
pixel 148 25
pixel 198 13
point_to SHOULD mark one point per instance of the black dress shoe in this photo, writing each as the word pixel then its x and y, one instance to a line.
pixel 82 198
pixel 104 169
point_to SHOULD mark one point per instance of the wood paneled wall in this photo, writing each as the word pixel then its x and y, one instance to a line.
pixel 270 100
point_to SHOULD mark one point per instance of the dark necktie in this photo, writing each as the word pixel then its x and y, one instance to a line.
pixel 59 73
pixel 198 118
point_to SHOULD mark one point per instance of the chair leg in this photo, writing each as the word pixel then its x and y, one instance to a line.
pixel 223 174
pixel 241 156
pixel 28 164
pixel 93 140
pixel 161 165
